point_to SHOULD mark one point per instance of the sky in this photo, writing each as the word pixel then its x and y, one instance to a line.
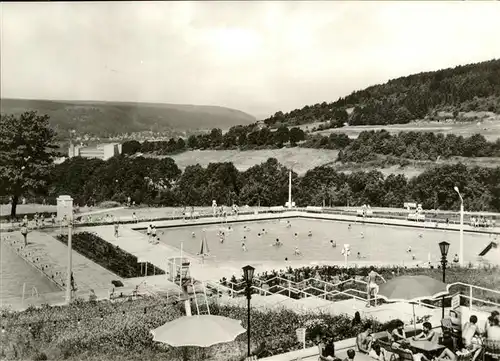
pixel 259 57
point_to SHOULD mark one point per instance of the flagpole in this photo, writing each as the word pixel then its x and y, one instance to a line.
pixel 182 265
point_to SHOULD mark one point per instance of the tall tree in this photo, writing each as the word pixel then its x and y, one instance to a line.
pixel 26 154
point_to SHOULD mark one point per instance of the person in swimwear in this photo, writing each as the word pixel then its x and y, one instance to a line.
pixel 362 235
pixel 372 287
pixel 334 244
pixel 297 251
pixel 193 235
pixel 222 237
pixel 288 224
pixel 310 233
pixel 349 227
pixel 243 244
pixel 409 249
pixel 277 243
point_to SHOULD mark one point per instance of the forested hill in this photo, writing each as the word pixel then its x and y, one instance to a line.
pixel 473 87
pixel 103 119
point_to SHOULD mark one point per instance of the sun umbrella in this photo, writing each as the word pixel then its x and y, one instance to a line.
pixel 412 289
pixel 201 331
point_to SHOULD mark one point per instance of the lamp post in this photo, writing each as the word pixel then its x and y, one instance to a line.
pixel 461 253
pixel 248 276
pixel 443 247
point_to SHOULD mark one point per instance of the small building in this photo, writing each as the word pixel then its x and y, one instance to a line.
pixel 100 151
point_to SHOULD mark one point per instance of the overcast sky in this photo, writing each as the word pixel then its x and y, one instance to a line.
pixel 258 57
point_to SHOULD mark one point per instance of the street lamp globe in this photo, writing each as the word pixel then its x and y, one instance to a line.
pixel 443 247
pixel 456 189
pixel 248 273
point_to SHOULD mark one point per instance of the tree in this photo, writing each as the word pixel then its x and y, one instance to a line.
pixel 296 135
pixel 27 150
pixel 131 147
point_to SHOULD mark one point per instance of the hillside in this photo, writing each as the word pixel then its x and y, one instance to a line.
pixel 473 87
pixel 104 119
pixel 304 159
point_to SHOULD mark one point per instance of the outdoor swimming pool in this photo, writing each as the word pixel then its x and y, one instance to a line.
pixel 378 243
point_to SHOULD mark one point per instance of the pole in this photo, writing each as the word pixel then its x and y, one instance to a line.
pixel 248 320
pixel 290 189
pixel 443 264
pixel 70 271
pixel 461 232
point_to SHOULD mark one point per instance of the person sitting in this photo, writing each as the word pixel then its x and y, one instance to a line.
pixel 350 355
pixel 448 354
pixel 364 340
pixel 470 331
pixel 493 330
pixel 326 348
pixel 428 334
pixel 378 353
pixel 398 334
pixel 404 345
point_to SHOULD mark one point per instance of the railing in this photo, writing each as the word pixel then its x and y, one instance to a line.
pixel 490 297
pixel 331 291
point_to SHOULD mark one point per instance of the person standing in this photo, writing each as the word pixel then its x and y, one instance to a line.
pixel 153 232
pixel 148 232
pixel 116 229
pixel 24 232
pixel 372 287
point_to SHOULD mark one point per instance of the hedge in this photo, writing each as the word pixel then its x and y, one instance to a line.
pixel 111 257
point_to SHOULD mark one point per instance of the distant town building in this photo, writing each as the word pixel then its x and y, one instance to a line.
pixel 101 151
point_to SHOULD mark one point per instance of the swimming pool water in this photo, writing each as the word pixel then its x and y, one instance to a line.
pixel 378 243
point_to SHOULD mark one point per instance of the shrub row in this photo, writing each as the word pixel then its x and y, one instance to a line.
pixel 113 258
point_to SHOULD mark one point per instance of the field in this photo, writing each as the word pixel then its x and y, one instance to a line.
pixel 303 159
pixel 300 159
pixel 490 129
pixel 101 118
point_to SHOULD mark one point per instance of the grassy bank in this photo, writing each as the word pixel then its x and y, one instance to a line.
pixel 78 332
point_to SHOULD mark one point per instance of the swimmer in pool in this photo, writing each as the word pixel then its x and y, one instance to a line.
pixel 297 251
pixel 409 249
pixel 243 245
pixel 258 235
pixel 310 233
pixel 358 255
pixel 288 224
pixel 222 236
pixel 193 235
pixel 362 235
pixel 349 227
pixel 264 231
pixel 296 235
pixel 413 257
pixel 420 235
pixel 277 243
pixel 334 244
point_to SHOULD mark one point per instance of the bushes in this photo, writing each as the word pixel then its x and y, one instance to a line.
pixel 111 257
pixel 124 331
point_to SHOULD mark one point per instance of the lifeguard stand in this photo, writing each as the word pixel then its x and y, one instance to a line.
pixel 178 269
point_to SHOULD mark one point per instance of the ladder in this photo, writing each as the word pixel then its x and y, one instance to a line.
pixel 207 307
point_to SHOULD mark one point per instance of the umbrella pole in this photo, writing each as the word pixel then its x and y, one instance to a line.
pixel 414 322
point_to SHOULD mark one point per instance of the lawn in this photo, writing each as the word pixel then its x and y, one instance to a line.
pixel 300 159
pixel 489 128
